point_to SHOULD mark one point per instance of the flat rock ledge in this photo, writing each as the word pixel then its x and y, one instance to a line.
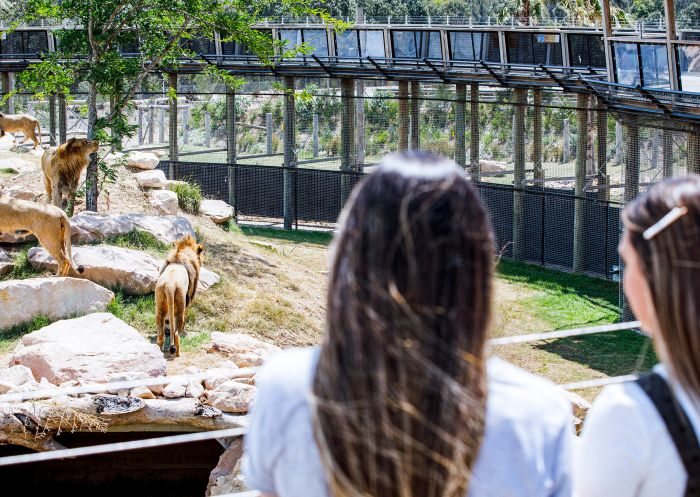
pixel 92 227
pixel 55 298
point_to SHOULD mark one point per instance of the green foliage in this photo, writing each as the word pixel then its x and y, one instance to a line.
pixel 189 196
pixel 8 336
pixel 140 240
pixel 22 268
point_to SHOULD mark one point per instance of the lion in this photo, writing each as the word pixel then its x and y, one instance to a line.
pixel 62 166
pixel 176 288
pixel 11 123
pixel 48 223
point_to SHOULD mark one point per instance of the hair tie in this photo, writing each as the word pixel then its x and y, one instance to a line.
pixel 671 217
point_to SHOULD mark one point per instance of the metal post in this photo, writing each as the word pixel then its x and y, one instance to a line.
pixel 186 125
pixel 580 182
pixel 460 124
pixel 52 120
pixel 519 175
pixel 62 119
pixel 667 154
pixel 140 125
pixel 566 142
pixel 268 126
pixel 314 135
pixel 474 133
pixel 231 146
pixel 693 152
pixel 172 131
pixel 415 115
pixel 670 15
pixel 207 129
pixel 607 33
pixel 360 119
pixel 655 147
pixel 289 151
pixel 403 116
pixel 602 128
pixel 347 136
pixel 161 128
pixel 537 137
pixel 631 162
pixel 151 123
pixel 5 83
pixel 618 142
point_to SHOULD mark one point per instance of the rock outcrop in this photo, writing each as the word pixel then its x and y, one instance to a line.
pixel 165 201
pixel 243 350
pixel 90 227
pixel 216 210
pixel 151 179
pixel 142 160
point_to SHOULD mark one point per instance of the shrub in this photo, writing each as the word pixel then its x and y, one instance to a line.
pixel 189 197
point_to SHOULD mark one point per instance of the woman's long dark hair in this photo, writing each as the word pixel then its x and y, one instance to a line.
pixel 400 391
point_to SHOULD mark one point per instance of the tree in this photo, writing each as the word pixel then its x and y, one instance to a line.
pixel 161 31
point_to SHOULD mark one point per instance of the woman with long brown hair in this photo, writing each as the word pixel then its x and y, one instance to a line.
pixel 394 403
pixel 640 438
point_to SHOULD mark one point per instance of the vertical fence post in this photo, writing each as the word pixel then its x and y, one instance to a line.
pixel 519 174
pixel 667 136
pixel 231 147
pixel 62 119
pixel 207 130
pixel 360 124
pixel 140 113
pixel 186 125
pixel 172 128
pixel 537 137
pixel 161 128
pixel 314 135
pixel 580 182
pixel 289 151
pixel 403 116
pixel 52 120
pixel 151 123
pixel 543 220
pixel 602 128
pixel 693 152
pixel 474 133
pixel 631 162
pixel 347 136
pixel 5 83
pixel 268 126
pixel 460 124
pixel 566 142
pixel 415 115
pixel 655 146
pixel 618 142
pixel 10 87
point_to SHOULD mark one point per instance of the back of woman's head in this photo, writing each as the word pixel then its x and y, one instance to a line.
pixel 400 385
pixel 669 256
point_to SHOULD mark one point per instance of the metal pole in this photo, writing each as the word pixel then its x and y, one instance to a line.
pixel 670 16
pixel 186 125
pixel 151 123
pixel 207 129
pixel 140 126
pixel 631 163
pixel 602 128
pixel 5 82
pixel 360 120
pixel 231 146
pixel 519 175
pixel 667 154
pixel 415 115
pixel 268 126
pixel 474 133
pixel 460 124
pixel 52 120
pixel 693 152
pixel 314 135
pixel 403 116
pixel 62 119
pixel 289 151
pixel 580 182
pixel 347 136
pixel 566 142
pixel 618 142
pixel 537 137
pixel 172 131
pixel 161 128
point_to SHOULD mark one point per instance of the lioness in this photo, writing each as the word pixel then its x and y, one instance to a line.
pixel 176 288
pixel 62 166
pixel 11 123
pixel 48 223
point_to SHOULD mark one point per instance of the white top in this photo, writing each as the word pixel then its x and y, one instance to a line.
pixel 626 450
pixel 525 452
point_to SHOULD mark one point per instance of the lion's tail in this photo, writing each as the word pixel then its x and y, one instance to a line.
pixel 170 297
pixel 66 246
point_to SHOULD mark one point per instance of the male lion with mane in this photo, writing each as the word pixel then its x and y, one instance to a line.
pixel 176 288
pixel 11 123
pixel 62 166
pixel 48 223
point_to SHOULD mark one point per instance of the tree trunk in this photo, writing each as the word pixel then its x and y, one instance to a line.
pixel 92 185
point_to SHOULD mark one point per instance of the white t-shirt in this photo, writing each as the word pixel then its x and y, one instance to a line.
pixel 626 450
pixel 525 452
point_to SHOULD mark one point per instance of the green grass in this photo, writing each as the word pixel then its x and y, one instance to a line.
pixel 8 338
pixel 7 170
pixel 189 197
pixel 140 240
pixel 136 310
pixel 296 236
pixel 22 268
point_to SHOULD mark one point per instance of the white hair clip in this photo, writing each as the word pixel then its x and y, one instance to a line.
pixel 663 223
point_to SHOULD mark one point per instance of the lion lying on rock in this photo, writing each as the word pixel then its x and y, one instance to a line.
pixel 62 166
pixel 48 223
pixel 176 288
pixel 11 123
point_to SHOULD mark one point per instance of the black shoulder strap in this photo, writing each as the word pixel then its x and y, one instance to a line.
pixel 678 427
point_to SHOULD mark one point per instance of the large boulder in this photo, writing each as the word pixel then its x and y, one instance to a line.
pixel 217 210
pixel 243 350
pixel 136 272
pixel 90 348
pixel 16 237
pixel 90 227
pixel 492 166
pixel 17 378
pixel 6 263
pixel 207 279
pixel 55 298
pixel 21 193
pixel 226 477
pixel 142 160
pixel 165 201
pixel 232 397
pixel 151 179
